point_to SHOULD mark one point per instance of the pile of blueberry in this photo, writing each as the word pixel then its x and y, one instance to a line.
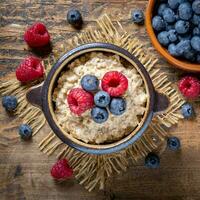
pixel 177 26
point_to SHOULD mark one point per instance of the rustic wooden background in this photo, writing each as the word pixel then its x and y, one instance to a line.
pixel 24 170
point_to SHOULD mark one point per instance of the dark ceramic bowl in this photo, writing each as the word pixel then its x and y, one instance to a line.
pixel 42 96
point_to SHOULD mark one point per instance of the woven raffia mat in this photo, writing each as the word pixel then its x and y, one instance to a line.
pixel 92 170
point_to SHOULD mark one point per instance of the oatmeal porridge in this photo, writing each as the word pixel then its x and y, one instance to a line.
pixel 83 127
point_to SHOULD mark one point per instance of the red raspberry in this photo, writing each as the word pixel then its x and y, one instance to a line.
pixel 61 170
pixel 30 69
pixel 37 35
pixel 189 87
pixel 79 101
pixel 115 83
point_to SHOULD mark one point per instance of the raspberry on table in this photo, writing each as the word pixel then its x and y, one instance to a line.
pixel 37 35
pixel 30 69
pixel 190 87
pixel 61 170
pixel 114 83
pixel 79 101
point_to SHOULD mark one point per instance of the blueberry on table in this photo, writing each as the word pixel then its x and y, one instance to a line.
pixel 102 99
pixel 158 23
pixel 25 131
pixel 173 143
pixel 138 17
pixel 187 111
pixel 99 115
pixel 195 43
pixel 74 17
pixel 9 103
pixel 185 11
pixel 90 83
pixel 183 46
pixel 161 8
pixel 169 15
pixel 117 106
pixel 173 36
pixel 152 161
pixel 182 27
pixel 196 7
pixel 163 38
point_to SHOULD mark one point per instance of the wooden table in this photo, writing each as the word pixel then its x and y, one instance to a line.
pixel 24 170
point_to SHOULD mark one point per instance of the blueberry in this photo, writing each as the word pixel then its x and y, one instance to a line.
pixel 90 83
pixel 196 31
pixel 195 42
pixel 161 8
pixel 173 4
pixel 163 38
pixel 102 99
pixel 152 161
pixel 172 50
pixel 170 27
pixel 198 58
pixel 196 7
pixel 173 143
pixel 25 131
pixel 190 55
pixel 169 15
pixel 99 115
pixel 9 103
pixel 196 20
pixel 185 11
pixel 184 37
pixel 138 17
pixel 182 27
pixel 173 37
pixel 74 18
pixel 158 23
pixel 187 111
pixel 117 106
pixel 183 46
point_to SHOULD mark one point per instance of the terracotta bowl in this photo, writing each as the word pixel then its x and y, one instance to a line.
pixel 42 96
pixel 176 62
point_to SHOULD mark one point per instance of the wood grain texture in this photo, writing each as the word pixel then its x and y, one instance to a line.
pixel 24 170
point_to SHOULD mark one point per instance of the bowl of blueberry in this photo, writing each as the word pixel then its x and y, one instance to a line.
pixel 174 29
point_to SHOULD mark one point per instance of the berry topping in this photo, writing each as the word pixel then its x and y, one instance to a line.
pixel 9 103
pixel 90 83
pixel 173 143
pixel 138 17
pixel 74 18
pixel 187 111
pixel 61 170
pixel 99 115
pixel 102 99
pixel 117 106
pixel 37 35
pixel 115 83
pixel 25 131
pixel 79 101
pixel 30 69
pixel 152 161
pixel 190 87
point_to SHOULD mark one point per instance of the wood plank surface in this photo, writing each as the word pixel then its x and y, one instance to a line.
pixel 24 170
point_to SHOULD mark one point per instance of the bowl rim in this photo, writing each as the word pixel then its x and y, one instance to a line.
pixel 47 104
pixel 177 63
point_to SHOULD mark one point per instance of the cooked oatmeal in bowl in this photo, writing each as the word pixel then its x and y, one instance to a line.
pixel 83 127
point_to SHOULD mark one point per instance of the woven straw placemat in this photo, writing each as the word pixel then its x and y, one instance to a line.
pixel 92 170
